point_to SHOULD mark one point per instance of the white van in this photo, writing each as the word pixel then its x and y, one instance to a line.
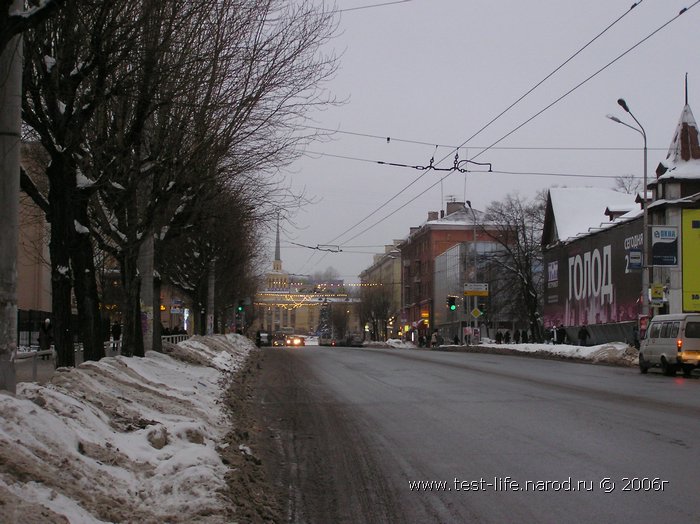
pixel 672 342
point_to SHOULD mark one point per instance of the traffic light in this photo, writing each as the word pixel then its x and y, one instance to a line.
pixel 451 303
pixel 240 306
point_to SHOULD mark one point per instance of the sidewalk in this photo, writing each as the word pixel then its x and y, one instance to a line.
pixel 45 368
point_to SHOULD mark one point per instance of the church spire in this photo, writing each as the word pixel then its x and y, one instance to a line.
pixel 277 262
pixel 278 256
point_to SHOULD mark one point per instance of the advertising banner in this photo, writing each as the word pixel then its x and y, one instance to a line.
pixel 664 246
pixel 594 279
pixel 691 259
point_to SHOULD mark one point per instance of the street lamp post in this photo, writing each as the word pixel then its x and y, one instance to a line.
pixel 645 213
pixel 476 321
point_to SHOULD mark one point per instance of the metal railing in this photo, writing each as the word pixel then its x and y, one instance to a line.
pixel 112 348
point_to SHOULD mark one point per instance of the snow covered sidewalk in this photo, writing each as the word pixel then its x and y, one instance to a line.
pixel 122 439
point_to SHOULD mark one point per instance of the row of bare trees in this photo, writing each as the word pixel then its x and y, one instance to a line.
pixel 165 123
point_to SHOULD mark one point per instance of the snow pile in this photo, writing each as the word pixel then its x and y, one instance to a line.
pixel 132 439
pixel 396 343
pixel 610 352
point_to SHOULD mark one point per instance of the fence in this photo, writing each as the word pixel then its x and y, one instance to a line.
pixel 112 348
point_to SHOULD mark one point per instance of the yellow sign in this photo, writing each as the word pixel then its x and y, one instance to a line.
pixel 657 291
pixel 690 231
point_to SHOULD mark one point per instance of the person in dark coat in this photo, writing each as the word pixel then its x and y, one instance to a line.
pixel 516 336
pixel 583 336
pixel 116 336
pixel 45 337
pixel 561 335
pixel 523 336
pixel 506 337
pixel 499 337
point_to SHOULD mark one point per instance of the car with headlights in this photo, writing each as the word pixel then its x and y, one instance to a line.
pixel 294 341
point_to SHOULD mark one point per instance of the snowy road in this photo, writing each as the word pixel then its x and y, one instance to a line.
pixel 418 436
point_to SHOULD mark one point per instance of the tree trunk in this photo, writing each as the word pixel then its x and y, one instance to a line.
pixel 85 286
pixel 157 325
pixel 61 188
pixel 10 127
pixel 132 344
pixel 148 313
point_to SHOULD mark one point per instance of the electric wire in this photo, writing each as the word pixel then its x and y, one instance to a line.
pixel 482 129
pixel 371 6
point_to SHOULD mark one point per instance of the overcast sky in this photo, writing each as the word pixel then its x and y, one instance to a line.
pixel 434 72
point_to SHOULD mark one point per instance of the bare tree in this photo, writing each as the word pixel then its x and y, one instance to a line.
pixel 16 19
pixel 216 101
pixel 516 225
pixel 628 184
pixel 66 77
pixel 375 310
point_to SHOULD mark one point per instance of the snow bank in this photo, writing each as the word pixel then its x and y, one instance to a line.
pixel 122 439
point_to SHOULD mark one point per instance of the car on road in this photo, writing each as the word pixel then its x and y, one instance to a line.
pixel 355 340
pixel 279 340
pixel 325 339
pixel 294 341
pixel 671 342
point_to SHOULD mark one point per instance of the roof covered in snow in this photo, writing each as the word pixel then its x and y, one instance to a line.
pixel 572 211
pixel 683 158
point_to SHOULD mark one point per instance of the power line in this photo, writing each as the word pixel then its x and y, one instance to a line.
pixel 372 6
pixel 586 80
pixel 453 147
pixel 474 135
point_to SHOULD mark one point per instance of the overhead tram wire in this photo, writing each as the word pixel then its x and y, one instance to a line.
pixel 358 8
pixel 683 11
pixel 590 77
pixel 490 122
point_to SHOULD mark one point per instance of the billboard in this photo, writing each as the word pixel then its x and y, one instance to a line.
pixel 690 229
pixel 595 279
pixel 664 246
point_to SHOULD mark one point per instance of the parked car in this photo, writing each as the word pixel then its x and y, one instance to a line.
pixel 671 342
pixel 355 340
pixel 279 340
pixel 294 341
pixel 325 339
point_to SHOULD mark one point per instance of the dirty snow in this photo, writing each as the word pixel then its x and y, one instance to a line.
pixel 611 352
pixel 122 439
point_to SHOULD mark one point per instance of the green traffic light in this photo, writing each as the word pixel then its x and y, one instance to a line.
pixel 452 307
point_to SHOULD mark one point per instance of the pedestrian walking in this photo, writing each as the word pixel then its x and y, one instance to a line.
pixel 583 336
pixel 116 336
pixel 516 336
pixel 561 334
pixel 45 337
pixel 434 339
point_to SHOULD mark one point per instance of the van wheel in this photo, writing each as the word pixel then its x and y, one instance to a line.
pixel 643 366
pixel 666 368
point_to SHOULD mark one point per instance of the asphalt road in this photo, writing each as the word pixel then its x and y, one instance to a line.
pixel 514 439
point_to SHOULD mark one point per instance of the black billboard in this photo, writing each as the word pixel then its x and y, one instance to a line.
pixel 595 279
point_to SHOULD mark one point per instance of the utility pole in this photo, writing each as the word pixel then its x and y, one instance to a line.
pixel 10 143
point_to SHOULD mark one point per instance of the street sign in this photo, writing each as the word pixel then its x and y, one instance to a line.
pixel 635 259
pixel 476 289
pixel 476 312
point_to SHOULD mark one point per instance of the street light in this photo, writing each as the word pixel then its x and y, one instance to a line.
pixel 645 247
pixel 469 203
